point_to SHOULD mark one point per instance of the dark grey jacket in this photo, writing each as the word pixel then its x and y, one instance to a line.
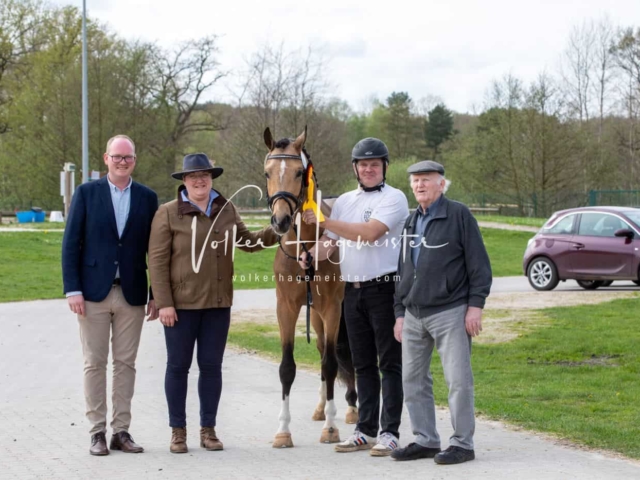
pixel 453 269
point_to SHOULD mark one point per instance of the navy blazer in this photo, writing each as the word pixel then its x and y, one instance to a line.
pixel 92 250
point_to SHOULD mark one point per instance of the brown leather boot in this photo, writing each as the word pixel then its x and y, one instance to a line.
pixel 124 442
pixel 179 440
pixel 209 439
pixel 98 444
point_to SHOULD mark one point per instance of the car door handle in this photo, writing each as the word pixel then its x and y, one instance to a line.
pixel 577 246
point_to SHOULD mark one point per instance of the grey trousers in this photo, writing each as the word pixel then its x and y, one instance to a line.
pixel 446 331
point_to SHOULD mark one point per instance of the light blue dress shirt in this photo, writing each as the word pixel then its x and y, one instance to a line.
pixel 212 196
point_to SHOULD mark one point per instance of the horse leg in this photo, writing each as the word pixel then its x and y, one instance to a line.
pixel 316 321
pixel 351 397
pixel 331 319
pixel 287 322
pixel 346 372
pixel 318 413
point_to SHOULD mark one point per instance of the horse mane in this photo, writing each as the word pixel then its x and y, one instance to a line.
pixel 285 142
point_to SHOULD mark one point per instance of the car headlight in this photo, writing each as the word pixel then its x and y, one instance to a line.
pixel 530 241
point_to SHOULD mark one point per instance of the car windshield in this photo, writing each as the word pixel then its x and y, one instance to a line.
pixel 634 217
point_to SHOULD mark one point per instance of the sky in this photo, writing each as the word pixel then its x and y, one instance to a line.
pixel 452 49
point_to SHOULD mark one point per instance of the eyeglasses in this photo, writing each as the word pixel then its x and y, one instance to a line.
pixel 197 176
pixel 120 158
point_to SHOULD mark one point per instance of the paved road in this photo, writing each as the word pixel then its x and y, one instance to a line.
pixel 506 226
pixel 266 298
pixel 43 432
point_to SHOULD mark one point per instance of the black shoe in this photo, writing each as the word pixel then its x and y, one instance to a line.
pixel 453 455
pixel 413 451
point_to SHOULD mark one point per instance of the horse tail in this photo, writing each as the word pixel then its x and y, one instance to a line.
pixel 346 372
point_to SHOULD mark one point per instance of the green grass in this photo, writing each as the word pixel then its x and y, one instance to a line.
pixel 506 249
pixel 265 340
pixel 30 263
pixel 576 376
pixel 525 221
pixel 30 266
pixel 35 225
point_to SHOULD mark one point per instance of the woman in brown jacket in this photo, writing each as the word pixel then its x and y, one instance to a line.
pixel 191 269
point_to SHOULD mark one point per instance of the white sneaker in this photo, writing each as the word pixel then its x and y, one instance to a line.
pixel 357 441
pixel 387 443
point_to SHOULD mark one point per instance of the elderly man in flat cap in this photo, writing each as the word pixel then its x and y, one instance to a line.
pixel 445 277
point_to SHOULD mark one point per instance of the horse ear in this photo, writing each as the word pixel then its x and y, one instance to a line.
pixel 268 139
pixel 302 138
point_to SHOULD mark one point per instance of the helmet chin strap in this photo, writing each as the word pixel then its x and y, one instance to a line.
pixel 378 187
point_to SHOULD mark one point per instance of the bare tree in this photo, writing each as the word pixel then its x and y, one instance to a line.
pixel 284 90
pixel 603 67
pixel 424 105
pixel 627 52
pixel 577 69
pixel 182 78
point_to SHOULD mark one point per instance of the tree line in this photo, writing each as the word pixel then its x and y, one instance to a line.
pixel 533 147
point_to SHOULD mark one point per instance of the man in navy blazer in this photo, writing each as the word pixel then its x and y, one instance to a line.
pixel 104 253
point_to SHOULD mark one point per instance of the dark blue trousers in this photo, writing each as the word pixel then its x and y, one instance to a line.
pixel 209 328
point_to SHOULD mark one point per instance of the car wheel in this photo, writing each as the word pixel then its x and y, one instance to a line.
pixel 590 284
pixel 542 274
pixel 607 283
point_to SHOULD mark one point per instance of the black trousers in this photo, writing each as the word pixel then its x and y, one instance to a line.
pixel 370 320
pixel 208 328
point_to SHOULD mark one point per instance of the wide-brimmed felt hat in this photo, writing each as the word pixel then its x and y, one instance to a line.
pixel 197 162
pixel 426 166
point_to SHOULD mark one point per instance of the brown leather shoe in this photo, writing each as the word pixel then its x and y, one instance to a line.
pixel 98 444
pixel 178 440
pixel 123 441
pixel 209 439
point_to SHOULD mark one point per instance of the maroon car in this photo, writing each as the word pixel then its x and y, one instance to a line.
pixel 592 245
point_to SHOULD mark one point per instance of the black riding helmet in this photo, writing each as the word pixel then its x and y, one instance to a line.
pixel 371 148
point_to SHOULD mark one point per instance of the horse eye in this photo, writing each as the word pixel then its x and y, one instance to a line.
pixel 266 175
pixel 298 173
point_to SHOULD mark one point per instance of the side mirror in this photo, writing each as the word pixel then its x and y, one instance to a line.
pixel 624 232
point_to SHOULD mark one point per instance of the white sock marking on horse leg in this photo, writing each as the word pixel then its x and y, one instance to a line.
pixel 283 167
pixel 285 416
pixel 330 411
pixel 323 396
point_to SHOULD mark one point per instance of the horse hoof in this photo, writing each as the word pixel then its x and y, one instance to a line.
pixel 352 415
pixel 282 440
pixel 330 435
pixel 318 416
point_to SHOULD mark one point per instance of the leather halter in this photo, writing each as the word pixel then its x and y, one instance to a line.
pixel 288 197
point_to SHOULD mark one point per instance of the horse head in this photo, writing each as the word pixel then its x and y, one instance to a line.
pixel 285 170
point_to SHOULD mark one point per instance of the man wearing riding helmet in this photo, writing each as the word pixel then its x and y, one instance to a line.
pixel 366 225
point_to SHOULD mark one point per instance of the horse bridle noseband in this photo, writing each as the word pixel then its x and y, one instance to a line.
pixel 288 197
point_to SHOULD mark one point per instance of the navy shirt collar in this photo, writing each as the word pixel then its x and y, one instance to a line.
pixel 430 209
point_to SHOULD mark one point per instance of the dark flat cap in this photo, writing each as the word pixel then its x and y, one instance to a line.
pixel 426 166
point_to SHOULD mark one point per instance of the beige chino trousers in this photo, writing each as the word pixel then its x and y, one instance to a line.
pixel 111 319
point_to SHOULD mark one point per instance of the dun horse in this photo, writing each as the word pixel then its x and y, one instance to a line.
pixel 286 168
